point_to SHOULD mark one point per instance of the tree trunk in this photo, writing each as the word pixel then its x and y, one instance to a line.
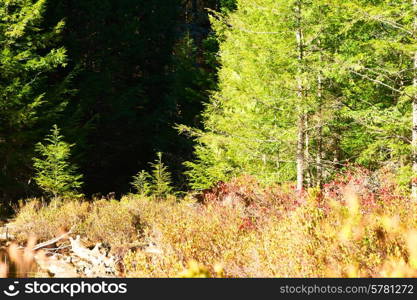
pixel 300 95
pixel 319 157
pixel 300 153
pixel 308 177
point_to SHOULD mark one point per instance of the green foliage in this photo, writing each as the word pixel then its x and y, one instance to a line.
pixel 141 183
pixel 158 183
pixel 55 175
pixel 30 52
pixel 402 178
pixel 359 111
pixel 161 178
pixel 376 77
pixel 228 5
pixel 208 169
pixel 251 121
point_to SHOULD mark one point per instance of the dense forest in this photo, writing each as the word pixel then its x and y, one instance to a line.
pixel 115 76
pixel 208 138
pixel 282 90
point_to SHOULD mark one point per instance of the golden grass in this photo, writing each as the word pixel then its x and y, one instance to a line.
pixel 260 239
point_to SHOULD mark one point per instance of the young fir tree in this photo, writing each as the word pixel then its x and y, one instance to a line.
pixel 141 183
pixel 161 178
pixel 28 54
pixel 158 183
pixel 55 175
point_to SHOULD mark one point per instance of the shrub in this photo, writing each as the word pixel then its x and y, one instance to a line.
pixel 45 221
pixel 111 222
pixel 271 235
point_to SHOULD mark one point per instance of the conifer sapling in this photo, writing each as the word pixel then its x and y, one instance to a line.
pixel 55 175
pixel 158 183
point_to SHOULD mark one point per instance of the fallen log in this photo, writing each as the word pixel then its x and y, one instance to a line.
pixel 80 261
pixel 94 256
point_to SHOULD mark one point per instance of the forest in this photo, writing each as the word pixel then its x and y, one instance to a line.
pixel 209 138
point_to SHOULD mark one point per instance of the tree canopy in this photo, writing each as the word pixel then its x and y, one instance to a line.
pixel 281 90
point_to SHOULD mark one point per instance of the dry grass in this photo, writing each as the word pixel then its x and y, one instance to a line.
pixel 107 221
pixel 244 230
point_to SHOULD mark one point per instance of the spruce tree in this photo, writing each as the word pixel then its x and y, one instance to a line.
pixel 55 174
pixel 161 178
pixel 158 183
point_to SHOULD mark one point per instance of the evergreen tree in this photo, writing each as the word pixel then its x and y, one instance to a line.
pixel 161 178
pixel 312 84
pixel 55 175
pixel 259 122
pixel 378 65
pixel 141 183
pixel 158 183
pixel 29 52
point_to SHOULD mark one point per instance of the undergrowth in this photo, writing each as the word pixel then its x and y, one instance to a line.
pixel 355 226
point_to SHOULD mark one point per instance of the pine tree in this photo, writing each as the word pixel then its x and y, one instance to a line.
pixel 55 175
pixel 141 183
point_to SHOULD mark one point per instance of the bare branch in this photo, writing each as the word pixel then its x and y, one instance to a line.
pixel 51 242
pixel 376 81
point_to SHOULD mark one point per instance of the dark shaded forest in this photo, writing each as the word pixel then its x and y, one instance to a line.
pixel 133 70
pixel 200 92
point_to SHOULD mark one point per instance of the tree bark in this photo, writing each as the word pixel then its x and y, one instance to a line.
pixel 308 176
pixel 300 153
pixel 319 157
pixel 300 95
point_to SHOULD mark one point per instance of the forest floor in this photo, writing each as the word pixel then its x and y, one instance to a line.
pixel 357 225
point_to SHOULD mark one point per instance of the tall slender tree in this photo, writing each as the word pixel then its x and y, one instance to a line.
pixel 302 150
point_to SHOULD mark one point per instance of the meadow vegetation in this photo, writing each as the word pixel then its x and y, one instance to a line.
pixel 359 225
